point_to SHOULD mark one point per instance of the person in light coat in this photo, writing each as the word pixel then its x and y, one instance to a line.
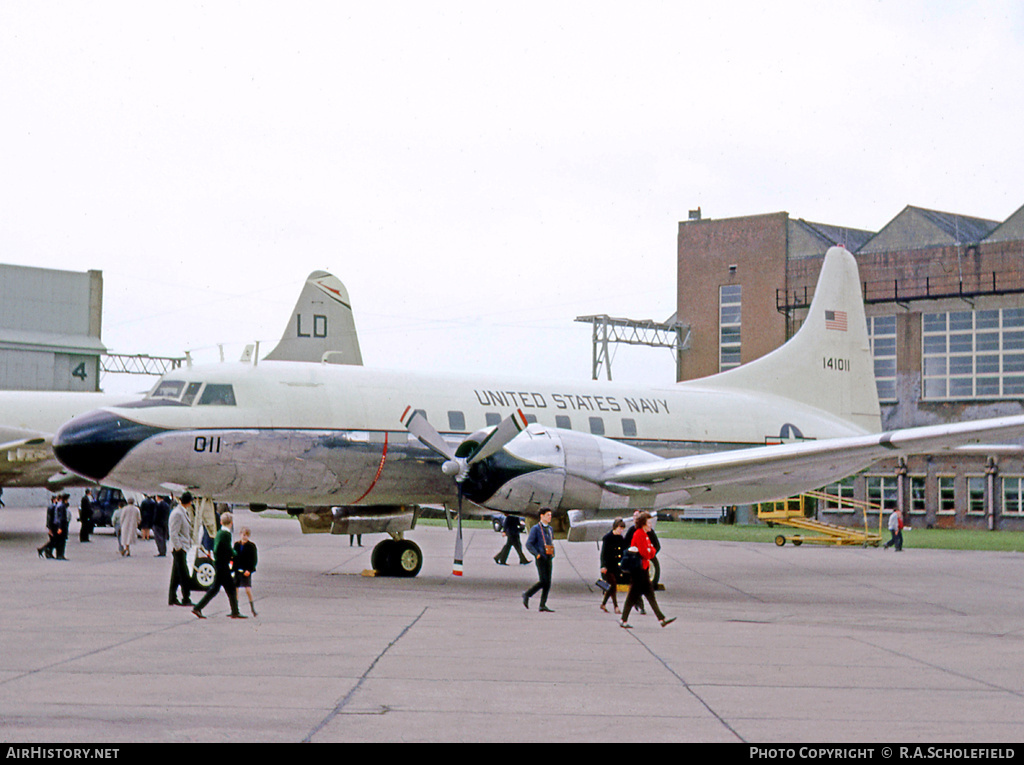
pixel 131 516
pixel 180 537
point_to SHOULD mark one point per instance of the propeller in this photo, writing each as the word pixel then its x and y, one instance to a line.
pixel 457 462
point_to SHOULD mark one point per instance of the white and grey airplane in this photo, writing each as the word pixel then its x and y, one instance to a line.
pixel 354 450
pixel 320 328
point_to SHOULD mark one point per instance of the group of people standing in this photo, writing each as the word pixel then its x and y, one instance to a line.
pixel 234 563
pixel 148 519
pixel 639 542
pixel 154 518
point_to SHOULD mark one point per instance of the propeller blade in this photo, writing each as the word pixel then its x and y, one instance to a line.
pixel 457 565
pixel 417 424
pixel 456 465
pixel 505 431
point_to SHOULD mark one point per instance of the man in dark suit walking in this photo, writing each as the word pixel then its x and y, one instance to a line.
pixel 510 528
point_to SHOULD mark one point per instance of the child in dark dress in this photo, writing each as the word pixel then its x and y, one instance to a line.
pixel 245 565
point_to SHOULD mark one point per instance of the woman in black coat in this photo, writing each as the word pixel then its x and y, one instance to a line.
pixel 611 553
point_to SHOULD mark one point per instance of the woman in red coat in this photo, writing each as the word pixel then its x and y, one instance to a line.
pixel 640 581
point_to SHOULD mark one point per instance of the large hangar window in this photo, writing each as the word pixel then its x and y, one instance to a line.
pixel 973 354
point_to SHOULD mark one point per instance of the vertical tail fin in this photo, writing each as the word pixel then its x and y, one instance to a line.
pixel 828 363
pixel 322 322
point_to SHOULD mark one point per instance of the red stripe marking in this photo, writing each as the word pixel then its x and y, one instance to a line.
pixel 380 469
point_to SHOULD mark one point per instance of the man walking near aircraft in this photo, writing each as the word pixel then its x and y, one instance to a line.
pixel 52 527
pixel 896 530
pixel 223 557
pixel 541 544
pixel 62 517
pixel 180 532
pixel 510 528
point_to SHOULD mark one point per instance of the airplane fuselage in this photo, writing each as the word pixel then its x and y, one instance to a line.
pixel 321 435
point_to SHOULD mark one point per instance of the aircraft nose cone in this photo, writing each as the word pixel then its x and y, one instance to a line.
pixel 93 444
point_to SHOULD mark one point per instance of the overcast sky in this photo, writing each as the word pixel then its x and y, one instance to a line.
pixel 477 174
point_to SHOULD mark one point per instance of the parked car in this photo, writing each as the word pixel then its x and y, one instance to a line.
pixel 498 522
pixel 104 504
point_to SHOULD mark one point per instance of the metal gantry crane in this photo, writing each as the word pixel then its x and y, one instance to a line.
pixel 670 334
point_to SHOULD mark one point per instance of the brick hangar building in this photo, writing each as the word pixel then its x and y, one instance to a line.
pixel 944 297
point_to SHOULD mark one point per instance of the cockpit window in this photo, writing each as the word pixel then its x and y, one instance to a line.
pixel 190 393
pixel 182 393
pixel 217 395
pixel 168 389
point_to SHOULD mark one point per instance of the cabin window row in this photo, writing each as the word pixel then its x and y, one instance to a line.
pixel 595 425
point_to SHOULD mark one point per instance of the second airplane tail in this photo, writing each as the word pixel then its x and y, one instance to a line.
pixel 322 322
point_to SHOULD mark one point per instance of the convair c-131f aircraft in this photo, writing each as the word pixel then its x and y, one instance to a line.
pixel 320 325
pixel 353 450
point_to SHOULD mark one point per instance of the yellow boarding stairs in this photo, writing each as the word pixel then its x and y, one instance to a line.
pixel 791 512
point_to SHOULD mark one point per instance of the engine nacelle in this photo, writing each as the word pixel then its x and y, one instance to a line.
pixel 555 468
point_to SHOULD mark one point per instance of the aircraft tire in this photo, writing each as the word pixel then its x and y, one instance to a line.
pixel 406 559
pixel 382 556
pixel 204 575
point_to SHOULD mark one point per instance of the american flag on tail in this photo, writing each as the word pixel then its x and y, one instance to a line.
pixel 835 320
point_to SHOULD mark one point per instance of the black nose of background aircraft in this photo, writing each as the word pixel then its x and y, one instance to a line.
pixel 91 445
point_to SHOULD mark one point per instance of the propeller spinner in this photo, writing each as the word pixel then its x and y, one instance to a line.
pixel 479 446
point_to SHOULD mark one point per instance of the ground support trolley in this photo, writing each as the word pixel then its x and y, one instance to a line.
pixel 792 512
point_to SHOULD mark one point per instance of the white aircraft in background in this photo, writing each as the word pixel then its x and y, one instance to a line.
pixel 357 450
pixel 321 326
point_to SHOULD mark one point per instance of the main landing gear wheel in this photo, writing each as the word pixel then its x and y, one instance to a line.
pixel 397 557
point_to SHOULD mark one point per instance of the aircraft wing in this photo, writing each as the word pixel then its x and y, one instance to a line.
pixel 26 459
pixel 16 438
pixel 813 463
